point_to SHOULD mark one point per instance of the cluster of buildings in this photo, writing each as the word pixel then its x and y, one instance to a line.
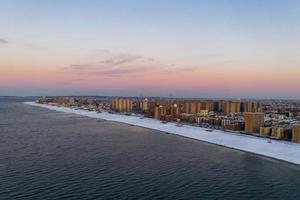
pixel 248 117
pixel 91 104
pixel 273 119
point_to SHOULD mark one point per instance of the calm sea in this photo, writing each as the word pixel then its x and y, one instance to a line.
pixel 49 155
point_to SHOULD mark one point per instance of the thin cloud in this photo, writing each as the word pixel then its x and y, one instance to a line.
pixel 151 59
pixel 78 67
pixel 121 59
pixel 123 71
pixel 69 82
pixel 126 65
pixel 3 41
pixel 177 69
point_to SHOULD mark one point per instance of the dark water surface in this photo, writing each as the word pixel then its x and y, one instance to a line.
pixel 49 155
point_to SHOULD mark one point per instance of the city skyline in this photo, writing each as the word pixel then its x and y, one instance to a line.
pixel 213 49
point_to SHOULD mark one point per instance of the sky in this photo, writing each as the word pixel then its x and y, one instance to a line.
pixel 186 48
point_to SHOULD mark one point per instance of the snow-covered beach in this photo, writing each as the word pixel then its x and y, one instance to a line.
pixel 281 150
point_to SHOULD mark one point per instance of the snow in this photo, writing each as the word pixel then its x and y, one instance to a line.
pixel 282 150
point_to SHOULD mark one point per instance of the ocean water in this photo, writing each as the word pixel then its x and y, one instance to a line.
pixel 50 155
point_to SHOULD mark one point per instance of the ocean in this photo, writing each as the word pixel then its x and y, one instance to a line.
pixel 50 155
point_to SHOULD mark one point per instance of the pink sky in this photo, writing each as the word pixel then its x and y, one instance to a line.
pixel 161 81
pixel 195 49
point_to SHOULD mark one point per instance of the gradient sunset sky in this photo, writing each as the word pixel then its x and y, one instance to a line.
pixel 186 48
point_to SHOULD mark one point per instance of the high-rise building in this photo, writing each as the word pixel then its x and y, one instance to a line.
pixel 159 112
pixel 175 111
pixel 187 107
pixel 199 106
pixel 253 121
pixel 210 106
pixel 122 105
pixel 296 133
pixel 231 107
pixel 145 104
pixel 194 107
pixel 113 104
pixel 251 106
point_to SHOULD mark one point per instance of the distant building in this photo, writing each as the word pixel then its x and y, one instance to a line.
pixel 252 106
pixel 187 117
pixel 122 105
pixel 194 107
pixel 278 132
pixel 234 127
pixel 190 107
pixel 175 111
pixel 253 121
pixel 265 131
pixel 225 122
pixel 159 112
pixel 203 113
pixel 296 133
pixel 231 107
pixel 71 101
pixel 145 104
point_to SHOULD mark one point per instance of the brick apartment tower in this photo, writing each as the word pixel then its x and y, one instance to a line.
pixel 296 133
pixel 253 121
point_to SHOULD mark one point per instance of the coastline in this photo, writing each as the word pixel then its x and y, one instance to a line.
pixel 278 150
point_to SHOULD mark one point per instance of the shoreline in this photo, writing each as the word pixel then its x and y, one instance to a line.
pixel 277 150
pixel 216 145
